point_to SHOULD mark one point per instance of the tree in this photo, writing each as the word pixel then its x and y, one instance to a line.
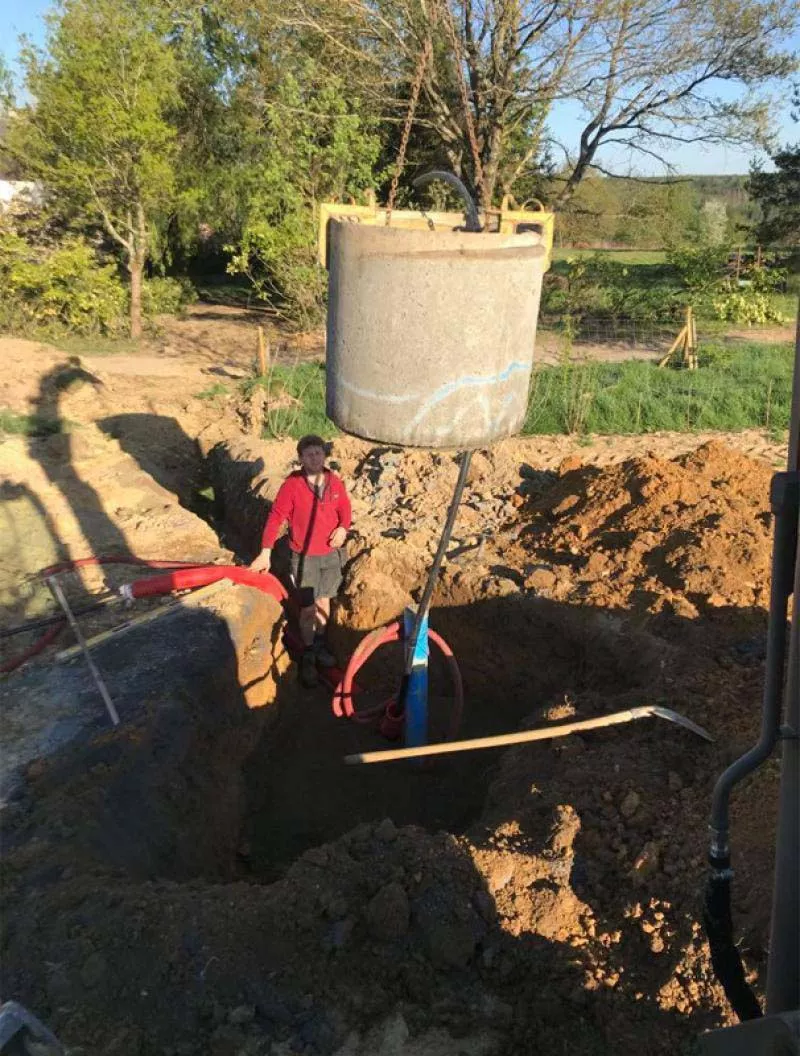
pixel 6 86
pixel 778 193
pixel 714 224
pixel 646 74
pixel 7 170
pixel 274 124
pixel 98 132
pixel 650 72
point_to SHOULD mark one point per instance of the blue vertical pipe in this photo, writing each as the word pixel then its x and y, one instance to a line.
pixel 416 703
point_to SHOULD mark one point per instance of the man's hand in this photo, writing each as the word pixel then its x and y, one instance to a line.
pixel 338 537
pixel 261 563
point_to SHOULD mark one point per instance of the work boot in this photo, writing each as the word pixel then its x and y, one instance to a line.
pixel 308 669
pixel 324 656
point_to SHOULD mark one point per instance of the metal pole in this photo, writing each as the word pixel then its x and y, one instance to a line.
pixel 784 509
pixel 433 574
pixel 58 594
pixel 783 966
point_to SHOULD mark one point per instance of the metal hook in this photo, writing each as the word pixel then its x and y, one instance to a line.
pixel 470 209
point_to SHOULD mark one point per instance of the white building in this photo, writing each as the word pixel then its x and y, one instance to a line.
pixel 11 189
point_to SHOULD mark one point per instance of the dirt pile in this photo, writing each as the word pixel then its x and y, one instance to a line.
pixel 676 536
pixel 388 940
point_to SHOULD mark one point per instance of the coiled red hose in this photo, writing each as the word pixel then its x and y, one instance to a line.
pixel 343 699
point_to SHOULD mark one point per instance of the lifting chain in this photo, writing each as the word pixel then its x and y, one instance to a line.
pixel 425 57
pixel 416 86
pixel 469 121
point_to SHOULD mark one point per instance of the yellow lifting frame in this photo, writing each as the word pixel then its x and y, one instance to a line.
pixel 505 220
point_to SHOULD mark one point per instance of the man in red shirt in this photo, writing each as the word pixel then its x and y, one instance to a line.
pixel 314 502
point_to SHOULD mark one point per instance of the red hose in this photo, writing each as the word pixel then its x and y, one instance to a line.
pixel 38 646
pixel 343 700
pixel 118 559
pixel 186 576
pixel 201 575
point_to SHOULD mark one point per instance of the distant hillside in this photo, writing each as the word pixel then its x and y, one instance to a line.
pixel 650 213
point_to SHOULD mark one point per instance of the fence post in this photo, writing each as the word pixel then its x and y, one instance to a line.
pixel 263 352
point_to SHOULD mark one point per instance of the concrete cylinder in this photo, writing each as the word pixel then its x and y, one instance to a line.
pixel 431 333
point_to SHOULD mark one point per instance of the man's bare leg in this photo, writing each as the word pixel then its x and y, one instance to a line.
pixel 308 624
pixel 322 614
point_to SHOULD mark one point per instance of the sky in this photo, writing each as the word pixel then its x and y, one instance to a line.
pixel 26 16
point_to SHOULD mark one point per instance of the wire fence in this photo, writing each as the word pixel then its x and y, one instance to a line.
pixel 636 333
pixel 616 330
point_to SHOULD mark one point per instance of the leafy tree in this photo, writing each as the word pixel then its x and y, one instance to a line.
pixel 714 222
pixel 98 133
pixel 276 124
pixel 6 86
pixel 778 193
pixel 304 161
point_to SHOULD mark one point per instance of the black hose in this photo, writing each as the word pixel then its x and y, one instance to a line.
pixel 433 575
pixel 49 621
pixel 470 210
pixel 725 957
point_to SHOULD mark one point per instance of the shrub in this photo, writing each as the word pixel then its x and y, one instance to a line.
pixel 751 302
pixel 166 296
pixel 65 286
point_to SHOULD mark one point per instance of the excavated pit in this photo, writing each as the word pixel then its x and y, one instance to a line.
pixel 515 659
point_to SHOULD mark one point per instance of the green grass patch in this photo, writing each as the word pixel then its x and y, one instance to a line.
pixel 624 256
pixel 736 388
pixel 786 303
pixel 28 424
pixel 217 389
pixel 295 401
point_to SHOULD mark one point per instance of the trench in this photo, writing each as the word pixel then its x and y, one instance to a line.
pixel 516 654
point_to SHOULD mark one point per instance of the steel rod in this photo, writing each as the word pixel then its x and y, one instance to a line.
pixel 58 594
pixel 783 965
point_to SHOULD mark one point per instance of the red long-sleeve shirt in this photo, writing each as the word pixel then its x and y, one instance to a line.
pixel 311 519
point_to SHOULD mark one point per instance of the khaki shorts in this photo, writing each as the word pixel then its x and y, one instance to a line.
pixel 317 577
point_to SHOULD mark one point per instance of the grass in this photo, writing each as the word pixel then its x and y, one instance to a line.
pixel 624 256
pixel 786 303
pixel 27 424
pixel 217 389
pixel 296 401
pixel 737 387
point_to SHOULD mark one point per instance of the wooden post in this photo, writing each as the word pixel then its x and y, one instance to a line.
pixel 692 341
pixel 263 352
pixel 686 341
pixel 679 340
pixel 738 263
